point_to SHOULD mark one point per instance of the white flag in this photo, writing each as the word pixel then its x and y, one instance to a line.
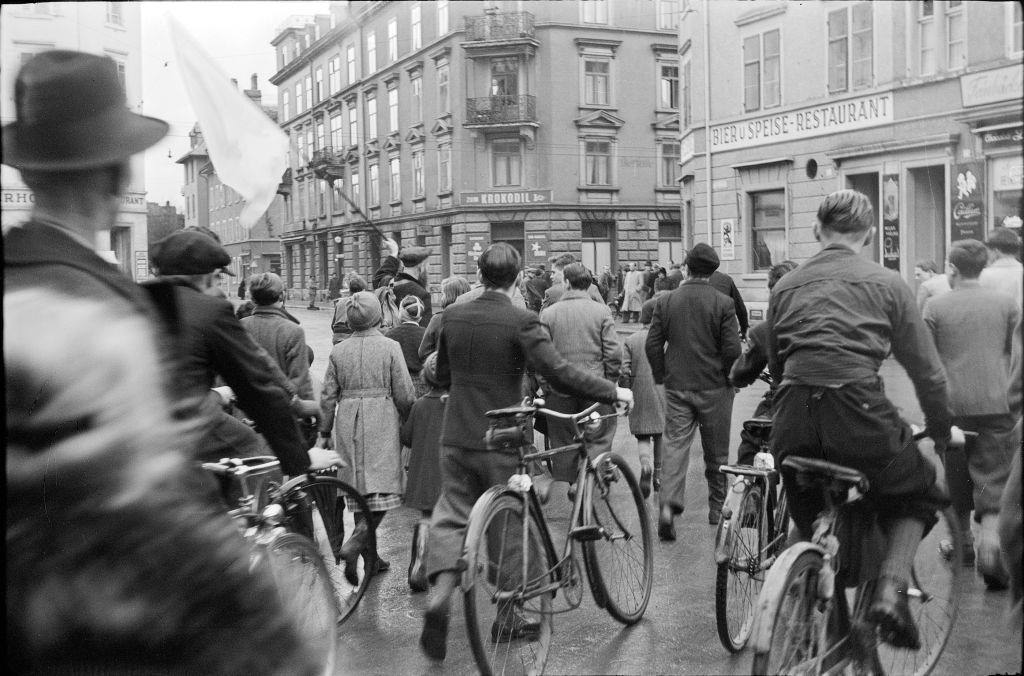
pixel 248 150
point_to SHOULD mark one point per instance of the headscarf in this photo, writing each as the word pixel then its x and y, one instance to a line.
pixel 362 310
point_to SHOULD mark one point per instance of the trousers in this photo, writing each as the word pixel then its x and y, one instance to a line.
pixel 685 412
pixel 560 433
pixel 977 473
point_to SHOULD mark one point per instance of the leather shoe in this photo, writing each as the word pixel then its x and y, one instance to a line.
pixel 714 516
pixel 890 611
pixel 434 639
pixel 646 474
pixel 666 527
pixel 513 626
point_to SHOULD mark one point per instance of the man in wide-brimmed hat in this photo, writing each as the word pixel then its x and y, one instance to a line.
pixel 409 274
pixel 71 140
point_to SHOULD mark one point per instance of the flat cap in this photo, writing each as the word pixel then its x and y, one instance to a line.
pixel 413 255
pixel 702 259
pixel 188 253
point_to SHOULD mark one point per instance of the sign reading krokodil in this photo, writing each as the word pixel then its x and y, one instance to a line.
pixel 829 118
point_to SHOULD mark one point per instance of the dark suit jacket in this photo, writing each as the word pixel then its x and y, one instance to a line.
pixel 405 285
pixel 726 285
pixel 699 325
pixel 485 348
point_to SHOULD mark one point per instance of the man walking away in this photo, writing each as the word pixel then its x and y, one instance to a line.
pixel 725 284
pixel 555 291
pixel 691 346
pixel 973 329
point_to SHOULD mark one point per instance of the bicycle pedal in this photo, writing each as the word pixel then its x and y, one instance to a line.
pixel 586 533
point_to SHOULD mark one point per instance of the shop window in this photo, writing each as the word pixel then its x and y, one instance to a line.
pixel 768 228
pixel 510 233
pixel 1007 197
pixel 596 248
pixel 670 242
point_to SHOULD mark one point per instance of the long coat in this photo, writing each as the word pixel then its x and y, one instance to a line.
pixel 634 291
pixel 648 413
pixel 368 383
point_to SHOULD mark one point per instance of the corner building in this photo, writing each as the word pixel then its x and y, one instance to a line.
pixel 916 104
pixel 552 126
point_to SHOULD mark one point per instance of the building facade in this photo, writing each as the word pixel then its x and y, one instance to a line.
pixel 549 125
pixel 211 204
pixel 916 104
pixel 107 28
pixel 162 220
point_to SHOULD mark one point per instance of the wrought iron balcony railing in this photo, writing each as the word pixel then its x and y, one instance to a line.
pixel 499 26
pixel 501 110
pixel 324 156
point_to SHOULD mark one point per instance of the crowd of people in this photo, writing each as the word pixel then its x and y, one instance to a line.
pixel 116 391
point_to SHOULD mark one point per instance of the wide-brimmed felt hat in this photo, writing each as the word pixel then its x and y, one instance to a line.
pixel 71 113
pixel 188 253
pixel 413 255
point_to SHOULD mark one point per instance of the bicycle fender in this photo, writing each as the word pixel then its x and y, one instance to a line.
pixel 726 531
pixel 765 610
pixel 483 503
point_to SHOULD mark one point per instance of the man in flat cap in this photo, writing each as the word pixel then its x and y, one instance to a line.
pixel 698 325
pixel 409 274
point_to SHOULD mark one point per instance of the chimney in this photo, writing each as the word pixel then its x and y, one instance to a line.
pixel 253 81
pixel 254 93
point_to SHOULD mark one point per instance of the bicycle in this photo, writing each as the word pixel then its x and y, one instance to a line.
pixel 751 534
pixel 317 506
pixel 806 620
pixel 511 571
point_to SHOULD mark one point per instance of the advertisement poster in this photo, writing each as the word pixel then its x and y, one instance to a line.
pixel 536 249
pixel 141 266
pixel 891 221
pixel 727 227
pixel 475 245
pixel 968 202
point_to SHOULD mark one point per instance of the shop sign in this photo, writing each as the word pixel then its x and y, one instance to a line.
pixel 968 202
pixel 891 221
pixel 1001 84
pixel 141 265
pixel 475 245
pixel 16 197
pixel 536 249
pixel 1007 173
pixel 820 120
pixel 134 202
pixel 727 228
pixel 998 138
pixel 504 197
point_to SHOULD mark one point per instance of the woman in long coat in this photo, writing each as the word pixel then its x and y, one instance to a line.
pixel 634 293
pixel 367 381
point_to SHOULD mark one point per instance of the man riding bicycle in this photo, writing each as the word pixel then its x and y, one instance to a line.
pixel 831 323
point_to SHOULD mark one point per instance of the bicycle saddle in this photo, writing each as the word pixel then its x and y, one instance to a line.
pixel 810 468
pixel 758 426
pixel 510 411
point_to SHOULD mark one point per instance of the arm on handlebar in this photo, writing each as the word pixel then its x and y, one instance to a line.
pixel 957 436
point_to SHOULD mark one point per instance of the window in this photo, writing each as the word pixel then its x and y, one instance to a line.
pixel 837 51
pixel 768 231
pixel 309 92
pixel 298 97
pixel 334 75
pixel 668 14
pixel 418 189
pixel 442 17
pixel 956 40
pixel 284 56
pixel 395 172
pixel 416 83
pixel 668 171
pixel 761 76
pixel 594 11
pixel 371 117
pixel 1015 29
pixel 668 86
pixel 338 199
pixel 863 45
pixel 321 197
pixel 371 53
pixel 505 76
pixel 354 181
pixel 442 88
pixel 353 124
pixel 336 139
pixel 511 233
pixel 318 94
pixel 393 109
pixel 596 82
pixel 373 185
pixel 309 142
pixel 597 163
pixel 285 106
pixel 121 79
pixel 300 141
pixel 926 33
pixel 115 13
pixel 350 63
pixel 416 26
pixel 687 108
pixel 596 246
pixel 444 168
pixel 506 163
pixel 392 39
pixel 670 242
pixel 320 135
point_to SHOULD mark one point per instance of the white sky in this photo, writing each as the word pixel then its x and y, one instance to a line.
pixel 237 36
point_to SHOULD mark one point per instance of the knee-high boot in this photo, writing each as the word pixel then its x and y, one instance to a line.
pixel 417 567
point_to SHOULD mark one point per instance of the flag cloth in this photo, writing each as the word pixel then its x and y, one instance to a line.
pixel 248 150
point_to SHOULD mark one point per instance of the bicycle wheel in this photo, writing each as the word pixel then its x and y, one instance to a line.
pixel 336 518
pixel 932 596
pixel 740 577
pixel 508 616
pixel 620 558
pixel 305 588
pixel 790 604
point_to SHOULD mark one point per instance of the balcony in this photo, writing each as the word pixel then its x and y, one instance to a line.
pixel 499 26
pixel 327 164
pixel 501 110
pixel 285 186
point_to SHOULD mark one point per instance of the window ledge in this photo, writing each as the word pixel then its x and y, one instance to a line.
pixel 667 188
pixel 420 198
pixel 598 106
pixel 598 188
pixel 445 193
pixel 396 203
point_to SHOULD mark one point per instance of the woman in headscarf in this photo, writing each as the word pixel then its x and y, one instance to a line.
pixel 409 334
pixel 367 393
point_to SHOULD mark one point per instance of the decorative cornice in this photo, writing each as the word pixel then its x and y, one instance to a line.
pixel 760 13
pixel 584 45
pixel 443 53
pixel 391 79
pixel 414 67
pixel 601 119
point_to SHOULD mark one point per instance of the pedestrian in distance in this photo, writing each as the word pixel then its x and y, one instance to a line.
pixel 314 288
pixel 751 364
pixel 647 417
pixel 451 289
pixel 421 434
pixel 485 348
pixel 692 344
pixel 366 394
pixel 832 322
pixel 634 295
pixel 973 328
pixel 931 282
pixel 334 287
pixel 409 335
pixel 241 289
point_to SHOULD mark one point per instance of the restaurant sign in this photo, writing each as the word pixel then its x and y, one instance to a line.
pixel 504 197
pixel 791 125
pixel 990 86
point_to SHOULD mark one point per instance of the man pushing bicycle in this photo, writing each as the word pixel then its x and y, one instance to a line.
pixel 832 322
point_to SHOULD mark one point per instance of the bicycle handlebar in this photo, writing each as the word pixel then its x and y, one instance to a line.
pixel 957 436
